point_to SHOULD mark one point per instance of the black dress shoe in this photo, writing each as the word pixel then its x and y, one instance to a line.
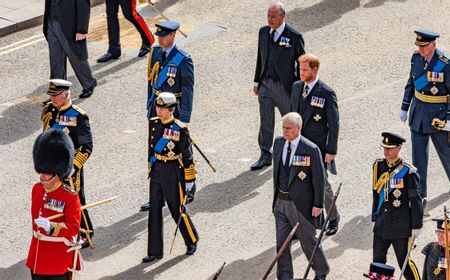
pixel 147 259
pixel 106 57
pixel 190 249
pixel 332 228
pixel 145 49
pixel 320 277
pixel 261 163
pixel 145 206
pixel 88 92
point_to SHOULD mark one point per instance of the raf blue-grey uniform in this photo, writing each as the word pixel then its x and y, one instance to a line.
pixel 173 74
pixel 426 97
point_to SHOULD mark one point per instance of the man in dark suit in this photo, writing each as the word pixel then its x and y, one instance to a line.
pixel 279 46
pixel 65 28
pixel 316 102
pixel 427 99
pixel 397 206
pixel 299 182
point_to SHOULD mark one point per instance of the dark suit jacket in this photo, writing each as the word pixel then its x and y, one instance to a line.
pixel 73 16
pixel 308 192
pixel 184 82
pixel 286 57
pixel 320 123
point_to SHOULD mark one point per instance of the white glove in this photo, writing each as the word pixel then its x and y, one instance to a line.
pixel 189 186
pixel 43 223
pixel 403 115
pixel 447 126
pixel 416 232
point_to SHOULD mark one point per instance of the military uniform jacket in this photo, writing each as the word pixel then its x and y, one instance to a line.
pixel 48 252
pixel 288 51
pixel 73 120
pixel 401 209
pixel 170 145
pixel 73 16
pixel 172 77
pixel 427 83
pixel 434 267
pixel 306 177
pixel 319 113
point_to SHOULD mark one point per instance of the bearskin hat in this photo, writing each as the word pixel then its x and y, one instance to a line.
pixel 53 153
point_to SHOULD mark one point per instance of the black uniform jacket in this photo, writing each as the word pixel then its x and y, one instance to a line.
pixel 319 113
pixel 402 211
pixel 306 183
pixel 286 65
pixel 73 16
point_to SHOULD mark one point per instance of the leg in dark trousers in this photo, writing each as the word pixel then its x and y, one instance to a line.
pixel 155 220
pixel 129 12
pixel 65 276
pixel 401 250
pixel 112 9
pixel 85 219
pixel 380 249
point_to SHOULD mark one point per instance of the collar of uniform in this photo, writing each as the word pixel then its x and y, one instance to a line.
pixel 392 163
pixel 169 50
pixel 171 119
pixel 66 106
pixel 52 189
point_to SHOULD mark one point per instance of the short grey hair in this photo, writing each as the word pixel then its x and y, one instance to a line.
pixel 280 8
pixel 293 117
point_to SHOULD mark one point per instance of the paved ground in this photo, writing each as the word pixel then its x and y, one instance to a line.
pixel 365 46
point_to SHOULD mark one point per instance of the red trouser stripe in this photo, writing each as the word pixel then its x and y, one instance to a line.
pixel 141 22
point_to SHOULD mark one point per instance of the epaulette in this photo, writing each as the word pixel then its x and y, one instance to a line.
pixel 183 53
pixel 416 52
pixel 154 118
pixel 378 160
pixel 68 189
pixel 412 168
pixel 443 57
pixel 81 111
pixel 180 123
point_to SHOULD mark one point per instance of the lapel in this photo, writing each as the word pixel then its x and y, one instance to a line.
pixel 309 108
pixel 298 98
pixel 170 56
pixel 277 156
pixel 264 45
pixel 292 168
pixel 286 33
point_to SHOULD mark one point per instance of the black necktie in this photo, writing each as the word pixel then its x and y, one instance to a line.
pixel 164 56
pixel 272 35
pixel 305 91
pixel 288 155
pixel 426 64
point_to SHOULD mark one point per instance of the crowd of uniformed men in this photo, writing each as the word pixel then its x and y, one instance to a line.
pixel 303 157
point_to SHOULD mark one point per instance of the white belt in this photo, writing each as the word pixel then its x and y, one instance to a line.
pixel 44 237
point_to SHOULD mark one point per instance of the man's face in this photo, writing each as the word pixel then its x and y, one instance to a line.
pixel 274 18
pixel 290 130
pixel 163 113
pixel 307 74
pixel 49 180
pixel 392 153
pixel 166 41
pixel 59 100
pixel 441 236
pixel 428 50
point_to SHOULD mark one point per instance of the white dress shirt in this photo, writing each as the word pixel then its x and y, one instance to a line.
pixel 311 85
pixel 294 145
pixel 278 31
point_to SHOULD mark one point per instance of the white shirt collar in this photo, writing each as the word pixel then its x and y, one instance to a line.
pixel 279 30
pixel 312 84
pixel 169 50
pixel 294 144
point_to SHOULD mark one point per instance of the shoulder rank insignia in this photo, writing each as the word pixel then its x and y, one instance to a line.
pixel 180 123
pixel 444 58
pixel 68 189
pixel 81 111
pixel 154 118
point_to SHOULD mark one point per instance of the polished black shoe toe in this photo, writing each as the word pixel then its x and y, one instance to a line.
pixel 320 277
pixel 88 92
pixel 190 249
pixel 145 49
pixel 145 206
pixel 332 228
pixel 147 259
pixel 106 57
pixel 261 163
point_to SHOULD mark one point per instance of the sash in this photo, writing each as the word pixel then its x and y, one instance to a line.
pixel 399 175
pixel 422 81
pixel 162 142
pixel 69 114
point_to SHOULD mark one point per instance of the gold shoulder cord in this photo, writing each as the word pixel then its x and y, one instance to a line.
pixel 383 180
pixel 46 120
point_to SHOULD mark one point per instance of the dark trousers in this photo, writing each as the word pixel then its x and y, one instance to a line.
pixel 129 12
pixel 271 94
pixel 380 249
pixel 65 276
pixel 85 219
pixel 166 185
pixel 420 147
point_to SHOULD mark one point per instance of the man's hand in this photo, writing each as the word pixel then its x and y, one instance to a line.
pixel 80 37
pixel 255 90
pixel 329 158
pixel 403 115
pixel 316 211
pixel 43 223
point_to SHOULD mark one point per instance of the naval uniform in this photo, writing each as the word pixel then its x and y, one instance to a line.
pixel 171 166
pixel 73 120
pixel 434 267
pixel 396 210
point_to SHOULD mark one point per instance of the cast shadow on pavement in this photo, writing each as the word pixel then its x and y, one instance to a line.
pixel 23 119
pixel 377 3
pixel 138 272
pixel 18 271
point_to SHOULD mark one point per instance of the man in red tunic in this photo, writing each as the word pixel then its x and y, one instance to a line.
pixel 53 253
